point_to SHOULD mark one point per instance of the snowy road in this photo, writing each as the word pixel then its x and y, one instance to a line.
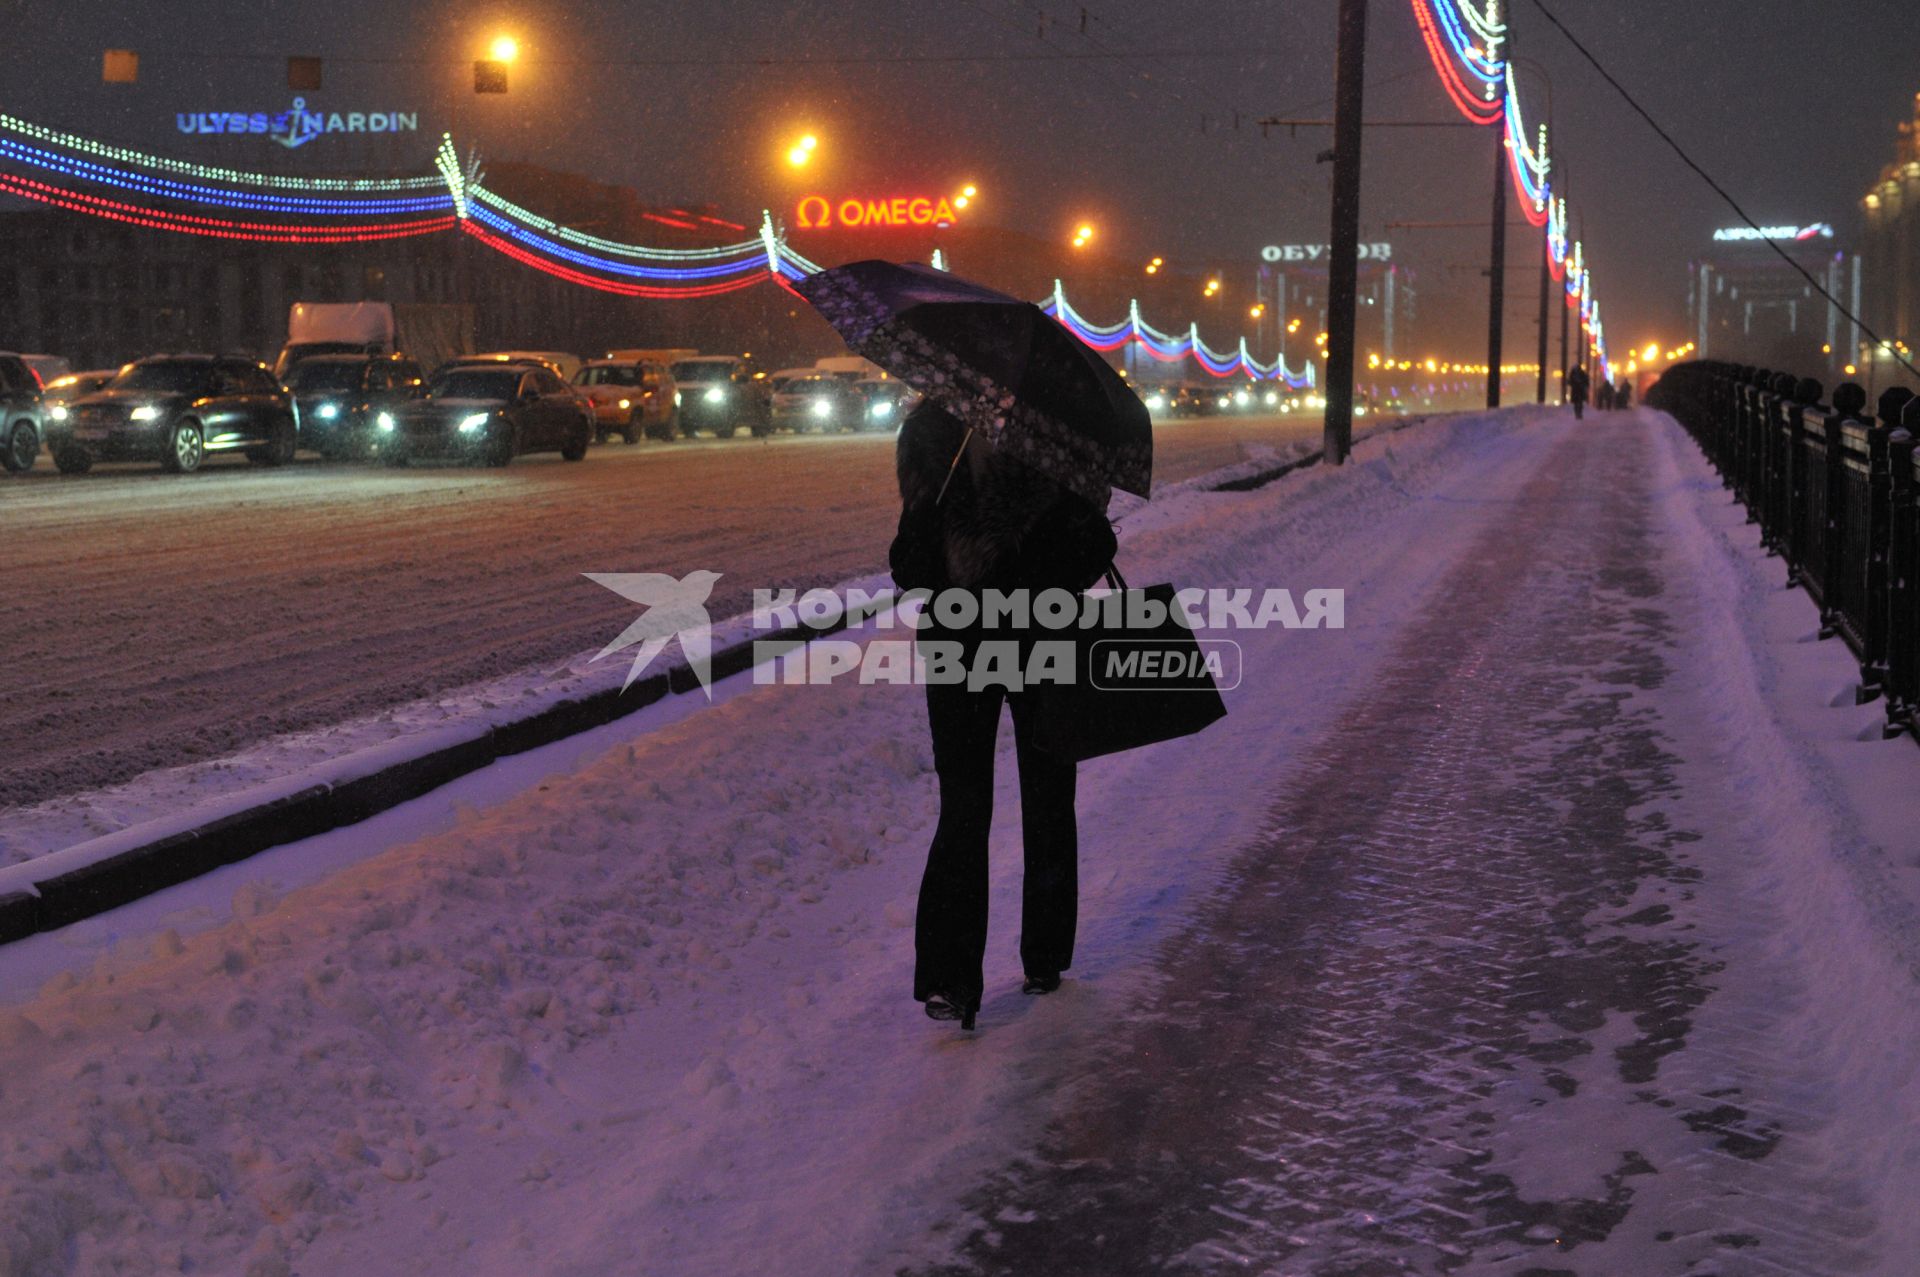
pixel 1536 922
pixel 153 621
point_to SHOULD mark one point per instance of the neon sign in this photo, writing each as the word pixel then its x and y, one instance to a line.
pixel 817 212
pixel 1379 252
pixel 297 126
pixel 1819 230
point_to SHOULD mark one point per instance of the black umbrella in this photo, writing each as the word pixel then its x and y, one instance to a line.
pixel 1001 365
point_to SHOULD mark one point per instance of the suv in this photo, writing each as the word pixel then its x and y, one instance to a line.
pixel 632 397
pixel 22 415
pixel 338 396
pixel 175 409
pixel 492 412
pixel 717 392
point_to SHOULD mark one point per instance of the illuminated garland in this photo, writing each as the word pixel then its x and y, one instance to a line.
pixel 1167 348
pixel 527 258
pixel 213 227
pixel 167 188
pixel 1466 45
pixel 75 144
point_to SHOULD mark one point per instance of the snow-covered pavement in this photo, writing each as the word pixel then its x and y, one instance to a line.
pixel 1529 922
pixel 157 621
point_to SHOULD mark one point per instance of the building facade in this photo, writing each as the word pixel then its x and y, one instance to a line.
pixel 1892 247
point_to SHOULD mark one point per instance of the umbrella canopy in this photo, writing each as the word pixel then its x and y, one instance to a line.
pixel 999 364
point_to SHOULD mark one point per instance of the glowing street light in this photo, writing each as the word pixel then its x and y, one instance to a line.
pixel 966 195
pixel 503 49
pixel 1153 267
pixel 1213 286
pixel 1258 309
pixel 1084 235
pixel 800 154
pixel 1652 352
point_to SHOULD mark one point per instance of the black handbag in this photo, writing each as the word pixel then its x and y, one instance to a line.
pixel 1132 686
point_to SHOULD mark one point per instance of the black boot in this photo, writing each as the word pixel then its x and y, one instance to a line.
pixel 1039 982
pixel 942 1006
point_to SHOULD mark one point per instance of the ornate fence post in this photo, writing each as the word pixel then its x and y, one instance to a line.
pixel 1903 567
pixel 1805 395
pixel 1873 636
pixel 1848 400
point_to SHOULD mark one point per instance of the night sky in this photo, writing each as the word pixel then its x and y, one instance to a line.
pixel 1791 103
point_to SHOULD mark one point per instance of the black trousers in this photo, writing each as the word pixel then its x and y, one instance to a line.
pixel 950 929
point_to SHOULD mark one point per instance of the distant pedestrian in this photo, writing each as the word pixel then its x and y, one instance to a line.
pixel 1623 394
pixel 1603 397
pixel 1577 384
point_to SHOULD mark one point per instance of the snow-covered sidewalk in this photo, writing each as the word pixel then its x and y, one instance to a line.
pixel 643 1006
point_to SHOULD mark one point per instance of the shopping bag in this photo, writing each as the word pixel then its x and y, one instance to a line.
pixel 1132 685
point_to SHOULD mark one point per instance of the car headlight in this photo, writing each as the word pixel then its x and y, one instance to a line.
pixel 1156 402
pixel 625 404
pixel 58 412
pixel 676 399
pixel 821 408
pixel 385 422
pixel 1272 398
pixel 716 395
pixel 327 411
pixel 145 412
pixel 1241 396
pixel 884 408
pixel 478 421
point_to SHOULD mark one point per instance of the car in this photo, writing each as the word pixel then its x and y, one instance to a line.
pixel 559 360
pixel 721 394
pixel 178 410
pixel 818 401
pixel 629 397
pixel 337 398
pixel 492 413
pixel 1160 400
pixel 59 396
pixel 23 413
pixel 888 401
pixel 48 368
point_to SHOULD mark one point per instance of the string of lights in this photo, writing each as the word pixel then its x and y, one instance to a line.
pixel 185 192
pixel 1465 42
pixel 213 227
pixel 75 144
pixel 1166 348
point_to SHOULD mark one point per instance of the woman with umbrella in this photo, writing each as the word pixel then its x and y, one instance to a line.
pixel 1005 470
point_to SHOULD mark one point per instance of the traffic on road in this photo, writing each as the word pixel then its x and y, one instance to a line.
pixel 343 388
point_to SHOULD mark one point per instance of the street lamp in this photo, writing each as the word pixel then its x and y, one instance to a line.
pixel 503 49
pixel 800 154
pixel 1153 267
pixel 1084 235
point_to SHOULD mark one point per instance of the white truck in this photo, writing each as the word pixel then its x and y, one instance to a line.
pixel 430 332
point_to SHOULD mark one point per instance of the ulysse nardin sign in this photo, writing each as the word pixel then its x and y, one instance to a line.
pixel 296 126
pixel 1320 252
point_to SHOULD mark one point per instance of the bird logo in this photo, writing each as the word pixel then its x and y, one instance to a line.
pixel 674 607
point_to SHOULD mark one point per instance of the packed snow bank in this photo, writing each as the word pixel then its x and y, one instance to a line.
pixel 647 1009
pixel 1828 807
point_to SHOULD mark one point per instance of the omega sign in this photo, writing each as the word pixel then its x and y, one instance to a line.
pixel 1320 252
pixel 817 212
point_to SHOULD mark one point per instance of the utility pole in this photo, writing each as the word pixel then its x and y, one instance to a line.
pixel 1546 291
pixel 1497 299
pixel 1350 60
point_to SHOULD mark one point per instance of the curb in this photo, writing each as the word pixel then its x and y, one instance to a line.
pixel 130 873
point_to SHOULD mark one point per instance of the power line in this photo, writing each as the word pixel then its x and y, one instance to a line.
pixel 1721 191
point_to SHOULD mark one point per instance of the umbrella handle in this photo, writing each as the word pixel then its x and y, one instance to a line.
pixel 953 465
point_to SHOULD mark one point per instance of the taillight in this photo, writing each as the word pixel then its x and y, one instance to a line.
pixel 38 381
